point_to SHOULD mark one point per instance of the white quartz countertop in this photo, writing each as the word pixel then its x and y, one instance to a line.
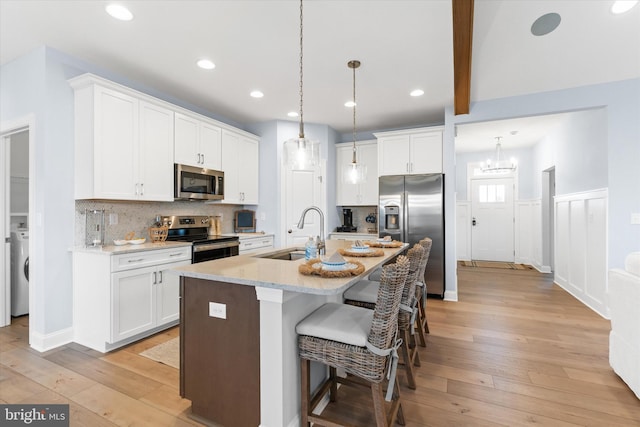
pixel 279 274
pixel 125 249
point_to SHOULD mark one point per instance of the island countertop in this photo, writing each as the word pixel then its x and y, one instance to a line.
pixel 252 270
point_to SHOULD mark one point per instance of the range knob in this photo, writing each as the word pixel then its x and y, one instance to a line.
pixel 204 220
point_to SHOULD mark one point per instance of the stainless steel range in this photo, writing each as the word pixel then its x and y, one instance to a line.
pixel 195 229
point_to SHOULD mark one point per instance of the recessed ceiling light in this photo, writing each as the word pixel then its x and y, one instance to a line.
pixel 119 12
pixel 622 6
pixel 545 24
pixel 256 94
pixel 417 92
pixel 292 114
pixel 206 64
pixel 350 104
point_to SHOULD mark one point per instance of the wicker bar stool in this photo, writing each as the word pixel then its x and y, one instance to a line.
pixel 360 341
pixel 421 295
pixel 362 295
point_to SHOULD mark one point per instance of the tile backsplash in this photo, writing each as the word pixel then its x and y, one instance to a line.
pixel 139 216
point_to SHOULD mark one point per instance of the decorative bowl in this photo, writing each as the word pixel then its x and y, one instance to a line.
pixel 137 241
pixel 120 242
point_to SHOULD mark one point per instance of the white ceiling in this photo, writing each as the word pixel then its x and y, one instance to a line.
pixel 402 45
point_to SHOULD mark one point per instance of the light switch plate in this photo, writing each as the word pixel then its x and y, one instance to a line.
pixel 635 218
pixel 217 310
pixel 113 219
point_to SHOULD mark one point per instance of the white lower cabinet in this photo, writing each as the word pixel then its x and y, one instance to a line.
pixel 254 243
pixel 121 298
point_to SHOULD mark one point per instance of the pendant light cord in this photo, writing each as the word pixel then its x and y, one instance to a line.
pixel 354 116
pixel 301 134
pixel 353 64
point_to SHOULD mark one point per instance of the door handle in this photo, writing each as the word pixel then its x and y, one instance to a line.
pixel 290 231
pixel 473 221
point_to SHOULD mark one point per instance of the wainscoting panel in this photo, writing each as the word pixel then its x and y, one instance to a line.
pixel 581 247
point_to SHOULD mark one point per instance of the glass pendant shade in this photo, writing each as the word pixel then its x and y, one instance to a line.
pixel 354 172
pixel 301 153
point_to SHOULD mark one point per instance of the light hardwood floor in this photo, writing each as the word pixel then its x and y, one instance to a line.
pixel 515 350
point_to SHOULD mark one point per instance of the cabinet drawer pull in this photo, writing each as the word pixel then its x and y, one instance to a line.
pixel 135 260
pixel 176 254
pixel 155 278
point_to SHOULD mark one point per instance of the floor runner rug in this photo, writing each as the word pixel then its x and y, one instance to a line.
pixel 494 264
pixel 167 353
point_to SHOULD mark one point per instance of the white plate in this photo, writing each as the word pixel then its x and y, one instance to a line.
pixel 334 266
pixel 137 241
pixel 120 242
pixel 364 248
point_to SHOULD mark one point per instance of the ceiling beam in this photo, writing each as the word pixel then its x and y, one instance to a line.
pixel 462 42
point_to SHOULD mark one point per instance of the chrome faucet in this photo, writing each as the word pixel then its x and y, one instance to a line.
pixel 321 243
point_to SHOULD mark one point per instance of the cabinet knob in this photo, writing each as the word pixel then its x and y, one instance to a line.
pixel 290 231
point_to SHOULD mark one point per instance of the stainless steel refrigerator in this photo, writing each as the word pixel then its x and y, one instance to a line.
pixel 412 208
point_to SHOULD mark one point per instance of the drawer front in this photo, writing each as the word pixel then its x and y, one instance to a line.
pixel 149 258
pixel 252 244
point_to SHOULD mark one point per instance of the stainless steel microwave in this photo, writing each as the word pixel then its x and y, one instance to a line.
pixel 192 183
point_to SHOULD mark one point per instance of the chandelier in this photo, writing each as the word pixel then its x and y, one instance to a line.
pixel 300 152
pixel 355 172
pixel 498 164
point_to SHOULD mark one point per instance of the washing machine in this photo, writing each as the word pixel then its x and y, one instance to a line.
pixel 19 272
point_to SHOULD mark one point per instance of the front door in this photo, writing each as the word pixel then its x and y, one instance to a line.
pixel 303 188
pixel 492 230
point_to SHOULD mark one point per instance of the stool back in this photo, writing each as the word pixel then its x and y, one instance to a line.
pixel 426 244
pixel 407 302
pixel 385 314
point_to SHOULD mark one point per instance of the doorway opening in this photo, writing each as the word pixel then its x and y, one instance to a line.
pixel 548 225
pixel 16 215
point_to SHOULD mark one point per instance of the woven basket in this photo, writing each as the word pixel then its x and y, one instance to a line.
pixel 158 234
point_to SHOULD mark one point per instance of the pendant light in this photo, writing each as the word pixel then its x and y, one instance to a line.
pixel 354 172
pixel 498 165
pixel 300 152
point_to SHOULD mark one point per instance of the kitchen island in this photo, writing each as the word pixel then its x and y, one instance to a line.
pixel 238 346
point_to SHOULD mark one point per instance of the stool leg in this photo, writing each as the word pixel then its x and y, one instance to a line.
pixel 406 356
pixel 305 392
pixel 378 405
pixel 333 393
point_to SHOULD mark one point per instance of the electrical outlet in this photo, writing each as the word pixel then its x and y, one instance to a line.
pixel 217 310
pixel 635 218
pixel 113 219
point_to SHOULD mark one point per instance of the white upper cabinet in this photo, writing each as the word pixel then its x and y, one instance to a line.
pixel 362 194
pixel 411 151
pixel 197 142
pixel 124 143
pixel 240 158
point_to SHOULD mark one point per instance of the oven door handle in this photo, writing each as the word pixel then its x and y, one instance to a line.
pixel 210 246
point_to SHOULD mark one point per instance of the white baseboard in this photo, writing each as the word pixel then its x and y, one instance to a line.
pixel 451 295
pixel 542 268
pixel 42 343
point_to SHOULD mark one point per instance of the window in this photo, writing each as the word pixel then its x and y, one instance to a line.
pixel 491 193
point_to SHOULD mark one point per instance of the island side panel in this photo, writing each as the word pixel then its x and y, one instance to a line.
pixel 220 358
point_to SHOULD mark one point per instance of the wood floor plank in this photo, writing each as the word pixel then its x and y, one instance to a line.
pixel 102 372
pixel 144 366
pixel 15 387
pixel 79 415
pixel 123 410
pixel 48 374
pixel 535 405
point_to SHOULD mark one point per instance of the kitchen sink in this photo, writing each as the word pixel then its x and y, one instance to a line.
pixel 288 254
